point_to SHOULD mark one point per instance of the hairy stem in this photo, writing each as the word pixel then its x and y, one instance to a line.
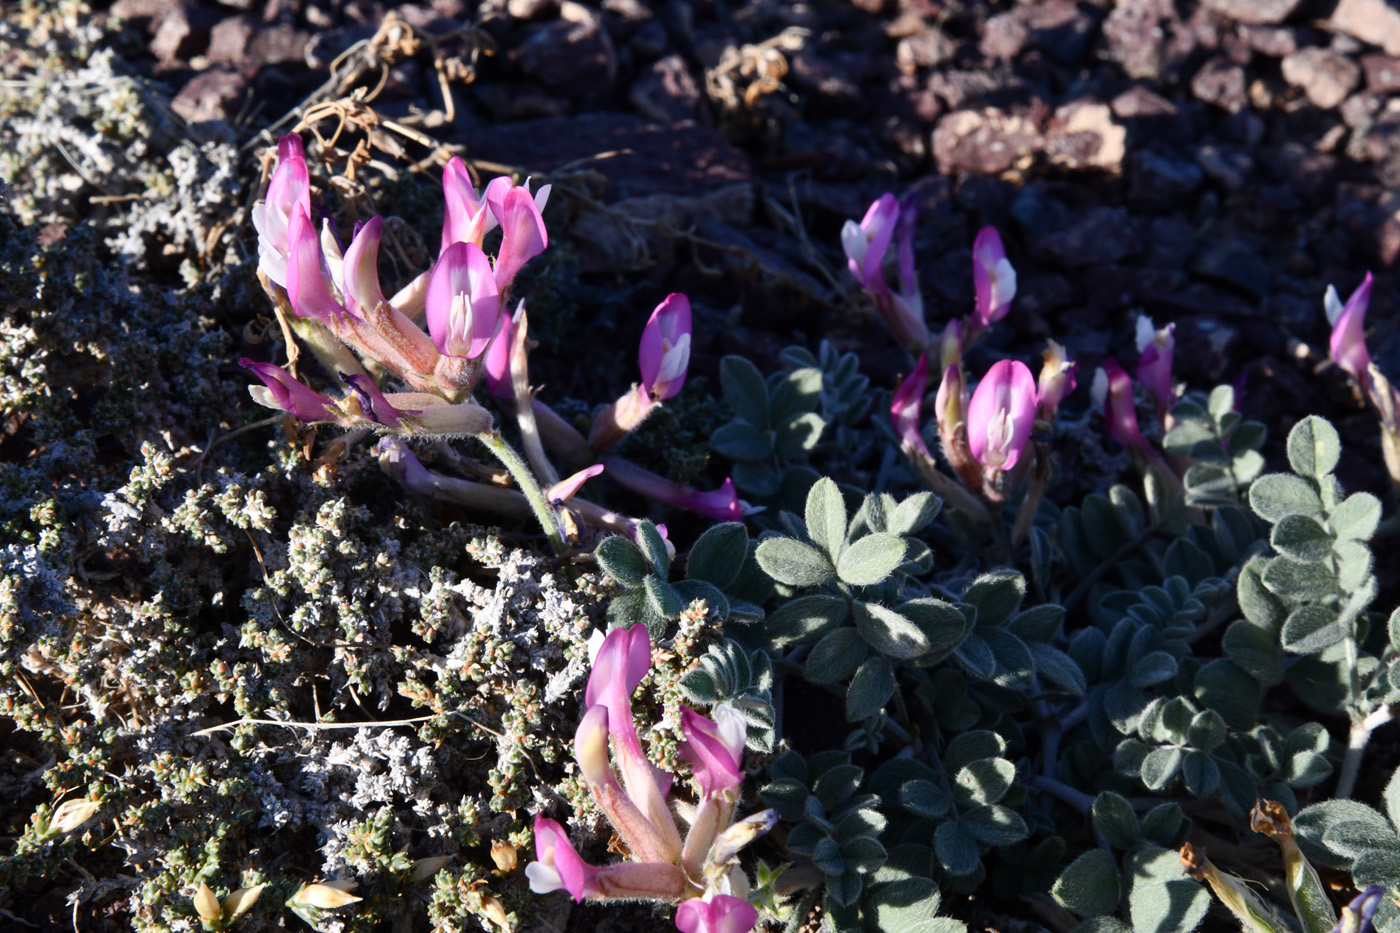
pixel 526 481
pixel 1357 738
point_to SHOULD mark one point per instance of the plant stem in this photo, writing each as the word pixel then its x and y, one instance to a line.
pixel 526 481
pixel 1357 739
pixel 1075 798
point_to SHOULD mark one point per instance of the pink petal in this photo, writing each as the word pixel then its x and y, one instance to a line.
pixel 461 279
pixel 1348 343
pixel 360 270
pixel 906 406
pixel 306 281
pixel 523 235
pixel 1006 398
pixel 290 395
pixel 664 351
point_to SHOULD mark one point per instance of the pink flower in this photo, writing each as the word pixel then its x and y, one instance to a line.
pixel 866 243
pixel 950 405
pixel 906 407
pixel 557 865
pixel 1348 344
pixel 567 488
pixel 1057 379
pixel 1119 410
pixel 281 391
pixel 360 270
pixel 373 403
pixel 664 353
pixel 307 290
pixel 994 278
pixel 496 196
pixel 498 376
pixel 723 503
pixel 904 252
pixel 720 914
pixel 715 748
pixel 465 216
pixel 1155 365
pixel 289 189
pixel 463 303
pixel 523 235
pixel 1001 415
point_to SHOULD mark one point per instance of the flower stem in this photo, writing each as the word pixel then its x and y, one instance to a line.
pixel 526 481
pixel 1357 739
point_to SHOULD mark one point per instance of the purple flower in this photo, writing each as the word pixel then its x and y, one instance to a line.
pixel 463 303
pixel 523 235
pixel 1057 379
pixel 723 503
pixel 722 913
pixel 866 242
pixel 664 353
pixel 1155 365
pixel 373 404
pixel 1001 415
pixel 289 189
pixel 1359 915
pixel 904 252
pixel 307 290
pixel 994 278
pixel 1348 344
pixel 906 407
pixel 714 748
pixel 496 196
pixel 281 391
pixel 557 865
pixel 1119 410
pixel 499 381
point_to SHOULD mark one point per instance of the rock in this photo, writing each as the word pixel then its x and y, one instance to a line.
pixel 1160 178
pixel 1038 214
pixel 1134 35
pixel 183 33
pixel 1325 76
pixel 1312 174
pixel 1273 41
pixel 1228 167
pixel 1221 82
pixel 1061 28
pixel 1373 21
pixel 143 15
pixel 1170 243
pixel 571 55
pixel 215 94
pixel 1114 287
pixel 650 40
pixel 1042 294
pixel 827 84
pixel 1382 73
pixel 228 40
pixel 1360 109
pixel 531 9
pixel 986 141
pixel 277 44
pixel 1082 135
pixel 1372 215
pixel 1101 235
pixel 1237 265
pixel 1004 36
pixel 989 87
pixel 511 101
pixel 927 49
pixel 1383 148
pixel 667 92
pixel 1258 12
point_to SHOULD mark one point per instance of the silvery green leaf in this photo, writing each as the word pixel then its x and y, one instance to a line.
pixel 789 561
pixel 909 905
pixel 1165 825
pixel 797 393
pixel 1128 756
pixel 805 619
pixel 1160 896
pixel 1246 465
pixel 1221 403
pixel 1279 494
pixel 1207 730
pixel 1379 866
pixel 718 554
pixel 1353 564
pixel 1249 435
pixel 1200 773
pixel 908 860
pixel 1354 838
pixel 995 825
pixel 1312 823
pixel 836 785
pixel 739 440
pixel 914 513
pixel 1015 666
pixel 1259 606
pixel 1392 797
pixel 1187 560
pixel 861 821
pixel 871 559
pixel 1307 769
pixel 1123 705
pixel 1185 435
pixel 918 558
pixel 924 798
pixel 1313 447
pixel 1114 818
pixel 744 390
pixel 1232 693
pixel 1161 766
pixel 942 625
pixel 865 854
pixel 871 688
pixel 976 655
pixel 1089 886
pixel 956 848
pixel 996 595
pixel 653 547
pixel 798 436
pixel 827 857
pixel 826 517
pixel 835 657
pixel 1058 668
pixel 971 746
pixel 869 518
pixel 1301 537
pixel 1208 484
pixel 1311 628
pixel 1255 650
pixel 622 560
pixel 984 781
pixel 887 631
pixel 1152 669
pixel 1038 623
pixel 759 479
pixel 1357 517
pixel 787 796
pixel 662 597
pixel 1296 579
pixel 1309 737
pixel 790 766
pixel 1087 649
pixel 629 609
pixel 1102 925
pixel 699 687
pixel 1104 530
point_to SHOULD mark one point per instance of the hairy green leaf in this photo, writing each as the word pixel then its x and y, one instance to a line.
pixel 1301 537
pixel 835 657
pixel 871 559
pixel 956 849
pixel 718 554
pixel 995 825
pixel 889 632
pixel 826 517
pixel 1311 628
pixel 799 436
pixel 805 619
pixel 744 390
pixel 622 560
pixel 1161 898
pixel 1089 886
pixel 1357 517
pixel 1313 447
pixel 984 781
pixel 870 689
pixel 790 561
pixel 1279 494
pixel 739 440
pixel 996 595
pixel 1114 817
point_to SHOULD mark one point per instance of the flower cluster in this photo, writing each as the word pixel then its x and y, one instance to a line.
pixel 699 871
pixel 891 221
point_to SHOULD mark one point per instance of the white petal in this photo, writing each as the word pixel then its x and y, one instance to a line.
pixel 543 878
pixel 854 242
pixel 1146 332
pixel 1099 389
pixel 1332 302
